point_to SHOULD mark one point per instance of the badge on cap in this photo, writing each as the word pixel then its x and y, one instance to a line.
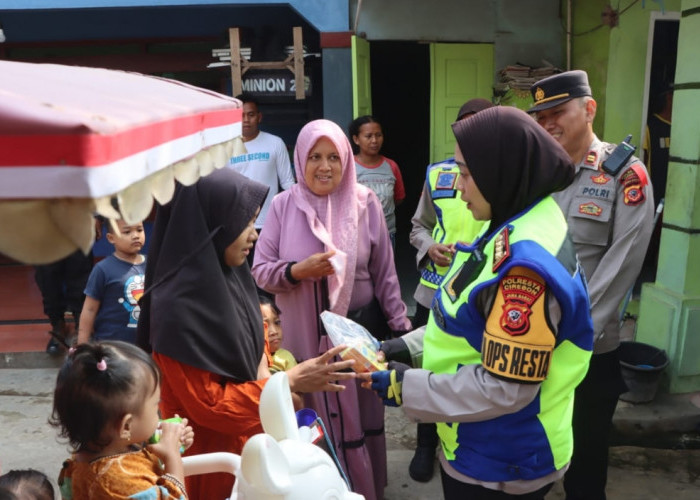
pixel 539 94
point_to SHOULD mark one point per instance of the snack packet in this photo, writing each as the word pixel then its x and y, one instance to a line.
pixel 365 359
pixel 362 346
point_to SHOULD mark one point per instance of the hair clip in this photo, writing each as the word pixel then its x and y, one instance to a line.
pixel 102 365
pixel 71 350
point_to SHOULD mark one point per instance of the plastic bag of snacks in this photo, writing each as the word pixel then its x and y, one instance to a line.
pixel 362 346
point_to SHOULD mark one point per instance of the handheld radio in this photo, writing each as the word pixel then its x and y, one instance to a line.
pixel 619 157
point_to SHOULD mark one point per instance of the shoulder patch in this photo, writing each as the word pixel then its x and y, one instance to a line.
pixel 641 172
pixel 629 176
pixel 518 342
pixel 634 195
pixel 634 174
pixel 634 179
pixel 519 293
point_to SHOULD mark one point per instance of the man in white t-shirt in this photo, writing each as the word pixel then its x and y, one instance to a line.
pixel 266 159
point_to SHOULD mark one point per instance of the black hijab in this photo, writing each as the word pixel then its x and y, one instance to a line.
pixel 513 160
pixel 196 309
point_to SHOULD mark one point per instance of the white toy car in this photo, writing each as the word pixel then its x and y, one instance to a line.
pixel 280 464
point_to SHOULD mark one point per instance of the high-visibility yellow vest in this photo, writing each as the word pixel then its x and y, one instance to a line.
pixel 536 440
pixel 454 221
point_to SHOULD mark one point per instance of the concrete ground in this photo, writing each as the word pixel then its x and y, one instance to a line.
pixel 27 441
pixel 635 473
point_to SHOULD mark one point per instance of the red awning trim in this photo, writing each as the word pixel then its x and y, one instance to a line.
pixel 107 178
pixel 91 149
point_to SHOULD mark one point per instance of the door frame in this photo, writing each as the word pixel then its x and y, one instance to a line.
pixel 361 77
pixel 655 16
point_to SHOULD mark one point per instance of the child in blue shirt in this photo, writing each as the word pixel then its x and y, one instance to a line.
pixel 111 309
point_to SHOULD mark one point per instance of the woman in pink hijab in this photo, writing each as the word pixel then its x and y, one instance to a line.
pixel 328 226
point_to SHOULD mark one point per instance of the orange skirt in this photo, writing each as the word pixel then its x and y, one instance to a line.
pixel 223 416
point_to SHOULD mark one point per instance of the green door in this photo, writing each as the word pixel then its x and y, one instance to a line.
pixel 459 72
pixel 361 85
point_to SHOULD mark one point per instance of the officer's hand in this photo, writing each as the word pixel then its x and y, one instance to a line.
pixel 387 383
pixel 440 254
pixel 394 350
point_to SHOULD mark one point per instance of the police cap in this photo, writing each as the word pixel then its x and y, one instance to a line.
pixel 558 89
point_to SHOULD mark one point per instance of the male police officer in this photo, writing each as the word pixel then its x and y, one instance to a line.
pixel 441 219
pixel 609 208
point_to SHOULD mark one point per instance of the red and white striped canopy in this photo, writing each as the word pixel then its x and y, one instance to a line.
pixel 74 140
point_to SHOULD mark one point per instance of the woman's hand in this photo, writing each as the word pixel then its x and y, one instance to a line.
pixel 320 374
pixel 317 265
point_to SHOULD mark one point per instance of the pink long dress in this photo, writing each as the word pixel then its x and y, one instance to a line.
pixel 354 417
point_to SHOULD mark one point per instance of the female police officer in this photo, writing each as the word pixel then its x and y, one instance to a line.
pixel 509 335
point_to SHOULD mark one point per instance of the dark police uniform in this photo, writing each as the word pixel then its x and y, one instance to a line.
pixel 610 218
